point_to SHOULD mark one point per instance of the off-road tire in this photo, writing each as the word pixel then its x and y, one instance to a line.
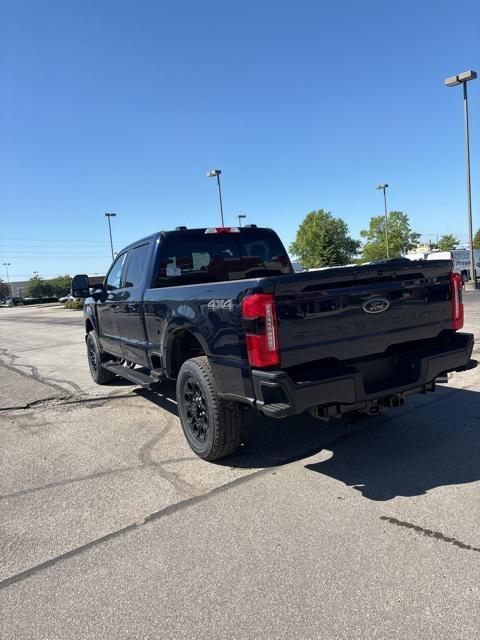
pixel 95 359
pixel 222 419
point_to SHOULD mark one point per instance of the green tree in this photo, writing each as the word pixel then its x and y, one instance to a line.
pixel 476 240
pixel 4 289
pixel 401 238
pixel 61 285
pixel 447 242
pixel 37 287
pixel 323 241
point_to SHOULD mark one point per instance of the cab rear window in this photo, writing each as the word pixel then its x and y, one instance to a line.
pixel 219 257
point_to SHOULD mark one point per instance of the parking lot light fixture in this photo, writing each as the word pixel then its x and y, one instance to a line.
pixel 215 173
pixel 6 265
pixel 108 216
pixel 463 78
pixel 241 216
pixel 384 188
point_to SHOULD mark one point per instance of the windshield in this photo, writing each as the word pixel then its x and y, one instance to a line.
pixel 212 257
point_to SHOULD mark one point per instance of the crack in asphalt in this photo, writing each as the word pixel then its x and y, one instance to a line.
pixel 145 456
pixel 62 401
pixel 63 483
pixel 184 488
pixel 430 533
pixel 52 401
pixel 34 373
pixel 93 476
pixel 156 515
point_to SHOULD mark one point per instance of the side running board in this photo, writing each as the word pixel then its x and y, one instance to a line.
pixel 133 375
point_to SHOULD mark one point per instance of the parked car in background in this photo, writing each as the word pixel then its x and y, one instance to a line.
pixel 11 301
pixel 68 298
pixel 35 300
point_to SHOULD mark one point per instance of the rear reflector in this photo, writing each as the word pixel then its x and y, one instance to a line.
pixel 222 230
pixel 456 289
pixel 258 311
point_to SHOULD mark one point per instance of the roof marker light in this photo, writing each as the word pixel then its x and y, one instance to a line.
pixel 222 230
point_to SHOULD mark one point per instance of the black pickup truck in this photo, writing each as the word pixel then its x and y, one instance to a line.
pixel 222 311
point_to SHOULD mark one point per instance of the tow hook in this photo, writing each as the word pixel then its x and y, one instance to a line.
pixel 325 412
pixel 373 409
pixel 395 401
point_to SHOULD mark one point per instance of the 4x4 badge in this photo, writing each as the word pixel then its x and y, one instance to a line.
pixel 376 305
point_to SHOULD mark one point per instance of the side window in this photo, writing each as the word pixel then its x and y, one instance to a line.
pixel 137 266
pixel 114 278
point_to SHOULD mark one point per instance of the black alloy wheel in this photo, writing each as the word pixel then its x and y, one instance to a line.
pixel 211 425
pixel 92 357
pixel 195 410
pixel 95 358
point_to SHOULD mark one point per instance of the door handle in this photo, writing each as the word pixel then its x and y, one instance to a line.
pixel 132 306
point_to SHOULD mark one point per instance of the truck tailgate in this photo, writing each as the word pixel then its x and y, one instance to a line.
pixel 325 314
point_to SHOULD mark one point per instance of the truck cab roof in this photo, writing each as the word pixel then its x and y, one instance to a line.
pixel 182 232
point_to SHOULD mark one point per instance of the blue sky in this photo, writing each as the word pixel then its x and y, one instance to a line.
pixel 123 106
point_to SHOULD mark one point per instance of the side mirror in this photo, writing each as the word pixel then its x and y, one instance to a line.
pixel 80 286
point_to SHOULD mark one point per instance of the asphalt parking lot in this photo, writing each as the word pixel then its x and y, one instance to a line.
pixel 112 528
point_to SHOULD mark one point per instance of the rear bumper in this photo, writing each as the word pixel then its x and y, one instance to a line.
pixel 357 385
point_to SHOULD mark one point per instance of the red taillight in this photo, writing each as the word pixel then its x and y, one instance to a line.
pixel 258 311
pixel 456 288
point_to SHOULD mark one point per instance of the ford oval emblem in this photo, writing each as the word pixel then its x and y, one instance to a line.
pixel 376 305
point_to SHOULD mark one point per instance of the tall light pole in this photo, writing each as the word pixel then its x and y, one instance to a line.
pixel 110 215
pixel 463 78
pixel 215 173
pixel 384 187
pixel 6 265
pixel 241 216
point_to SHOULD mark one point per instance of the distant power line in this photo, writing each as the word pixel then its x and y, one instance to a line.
pixel 55 247
pixel 42 274
pixel 439 235
pixel 68 240
pixel 48 256
pixel 54 254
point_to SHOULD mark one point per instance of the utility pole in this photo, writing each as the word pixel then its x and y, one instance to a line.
pixel 463 78
pixel 6 265
pixel 215 173
pixel 384 188
pixel 108 216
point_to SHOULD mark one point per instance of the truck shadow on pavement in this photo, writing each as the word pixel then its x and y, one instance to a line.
pixel 433 441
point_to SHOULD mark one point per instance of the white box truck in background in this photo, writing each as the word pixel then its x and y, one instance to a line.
pixel 459 257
